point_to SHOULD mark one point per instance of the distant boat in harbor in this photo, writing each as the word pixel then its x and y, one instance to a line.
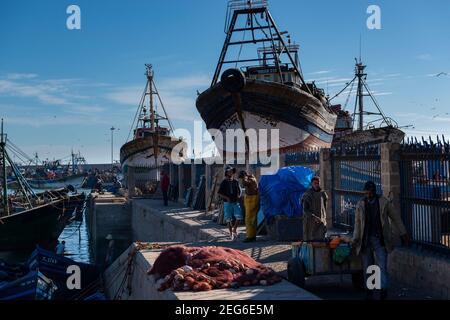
pixel 54 175
pixel 269 95
pixel 152 143
pixel 353 129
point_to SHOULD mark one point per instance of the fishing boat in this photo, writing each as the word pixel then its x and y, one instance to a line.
pixel 264 91
pixel 54 175
pixel 75 180
pixel 352 128
pixel 25 218
pixel 55 267
pixel 152 143
pixel 33 286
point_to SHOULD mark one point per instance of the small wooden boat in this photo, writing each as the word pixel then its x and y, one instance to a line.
pixel 33 286
pixel 55 267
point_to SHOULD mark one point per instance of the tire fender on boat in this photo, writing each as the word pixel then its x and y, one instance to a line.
pixel 233 80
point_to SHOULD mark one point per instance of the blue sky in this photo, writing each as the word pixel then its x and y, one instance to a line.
pixel 62 89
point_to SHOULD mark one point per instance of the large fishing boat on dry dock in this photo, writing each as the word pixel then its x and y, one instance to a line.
pixel 363 126
pixel 152 143
pixel 269 95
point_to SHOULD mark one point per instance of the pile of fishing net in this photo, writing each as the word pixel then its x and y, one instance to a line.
pixel 183 268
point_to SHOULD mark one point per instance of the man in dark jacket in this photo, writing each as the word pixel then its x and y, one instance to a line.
pixel 314 203
pixel 372 235
pixel 165 182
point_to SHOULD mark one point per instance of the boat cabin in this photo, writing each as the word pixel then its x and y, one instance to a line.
pixel 147 132
pixel 272 74
pixel 344 121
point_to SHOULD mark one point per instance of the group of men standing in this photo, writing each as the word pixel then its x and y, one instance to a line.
pixel 375 217
pixel 230 192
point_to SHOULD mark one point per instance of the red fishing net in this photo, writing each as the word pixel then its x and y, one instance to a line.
pixel 205 268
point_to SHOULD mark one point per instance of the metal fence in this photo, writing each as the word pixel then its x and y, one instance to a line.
pixel 351 168
pixel 425 192
pixel 309 159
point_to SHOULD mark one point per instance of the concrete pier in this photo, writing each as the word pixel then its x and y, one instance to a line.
pixel 151 222
pixel 108 214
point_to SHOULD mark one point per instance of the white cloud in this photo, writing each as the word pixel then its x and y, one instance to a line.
pixel 320 72
pixel 19 76
pixel 177 94
pixel 129 95
pixel 424 57
pixel 188 82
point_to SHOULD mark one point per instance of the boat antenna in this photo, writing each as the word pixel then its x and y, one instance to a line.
pixel 360 48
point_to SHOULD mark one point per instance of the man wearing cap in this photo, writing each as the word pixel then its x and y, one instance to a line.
pixel 251 203
pixel 314 203
pixel 372 235
pixel 230 192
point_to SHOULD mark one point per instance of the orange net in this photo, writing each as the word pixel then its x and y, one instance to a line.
pixel 183 268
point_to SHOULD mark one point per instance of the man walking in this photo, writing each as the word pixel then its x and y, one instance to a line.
pixel 314 203
pixel 165 182
pixel 251 203
pixel 230 192
pixel 372 236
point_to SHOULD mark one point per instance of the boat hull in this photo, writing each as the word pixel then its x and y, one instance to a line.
pixel 33 286
pixel 41 225
pixel 148 152
pixel 302 120
pixel 75 181
pixel 371 136
pixel 55 267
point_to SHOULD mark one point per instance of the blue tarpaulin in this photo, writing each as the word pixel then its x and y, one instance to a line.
pixel 281 193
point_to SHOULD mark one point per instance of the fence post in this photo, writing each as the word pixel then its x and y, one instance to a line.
pixel 390 173
pixel 193 175
pixel 327 183
pixel 181 183
pixel 282 160
pixel 207 184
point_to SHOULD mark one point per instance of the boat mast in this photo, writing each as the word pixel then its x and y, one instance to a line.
pixel 5 179
pixel 149 74
pixel 360 76
pixel 271 37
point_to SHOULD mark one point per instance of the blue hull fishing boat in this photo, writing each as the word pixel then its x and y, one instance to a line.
pixel 55 267
pixel 33 286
